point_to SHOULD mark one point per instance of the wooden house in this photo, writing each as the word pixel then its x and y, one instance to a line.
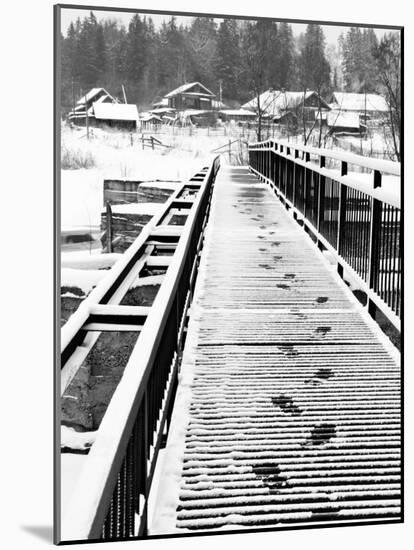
pixel 347 123
pixel 94 95
pixel 98 108
pixel 190 96
pixel 150 120
pixel 368 106
pixel 277 104
pixel 123 116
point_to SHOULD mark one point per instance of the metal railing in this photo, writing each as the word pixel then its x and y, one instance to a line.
pixel 356 216
pixel 111 496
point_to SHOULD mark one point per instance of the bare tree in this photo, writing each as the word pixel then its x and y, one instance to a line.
pixel 388 57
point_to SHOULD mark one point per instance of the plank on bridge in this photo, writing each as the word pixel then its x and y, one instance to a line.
pixel 289 399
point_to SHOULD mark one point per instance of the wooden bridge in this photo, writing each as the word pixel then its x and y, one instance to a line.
pixel 287 392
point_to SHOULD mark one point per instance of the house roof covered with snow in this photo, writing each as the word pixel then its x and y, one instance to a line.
pixel 94 92
pixel 162 111
pixel 146 117
pixel 275 102
pixel 115 111
pixel 238 112
pixel 187 89
pixel 343 120
pixel 161 103
pixel 360 102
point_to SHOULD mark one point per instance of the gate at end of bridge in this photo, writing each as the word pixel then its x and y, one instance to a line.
pixel 279 393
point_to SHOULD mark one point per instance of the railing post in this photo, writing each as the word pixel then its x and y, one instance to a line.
pixel 295 176
pixel 341 224
pixel 321 196
pixel 374 249
pixel 144 516
pixel 261 161
pixel 374 243
pixel 108 227
pixel 341 215
pixel 377 179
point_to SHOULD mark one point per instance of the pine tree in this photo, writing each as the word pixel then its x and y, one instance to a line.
pixel 87 56
pixel 314 69
pixel 136 50
pixel 227 60
pixel 286 58
pixel 202 45
pixel 173 56
pixel 100 51
pixel 257 61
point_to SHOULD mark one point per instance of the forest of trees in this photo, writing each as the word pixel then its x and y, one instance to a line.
pixel 240 58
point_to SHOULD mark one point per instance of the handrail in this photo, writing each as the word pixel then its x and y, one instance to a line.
pixel 121 463
pixel 116 273
pixel 384 166
pixel 357 220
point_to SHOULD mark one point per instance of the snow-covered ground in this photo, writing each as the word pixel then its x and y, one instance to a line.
pixel 114 157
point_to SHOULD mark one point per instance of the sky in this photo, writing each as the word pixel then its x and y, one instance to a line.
pixel 331 32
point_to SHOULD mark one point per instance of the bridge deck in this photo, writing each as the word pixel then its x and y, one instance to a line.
pixel 288 405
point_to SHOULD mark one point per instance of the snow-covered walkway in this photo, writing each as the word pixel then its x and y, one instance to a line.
pixel 289 398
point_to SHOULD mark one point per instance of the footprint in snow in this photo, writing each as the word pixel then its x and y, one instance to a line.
pixel 270 475
pixel 323 330
pixel 286 404
pixel 288 350
pixel 321 434
pixel 319 376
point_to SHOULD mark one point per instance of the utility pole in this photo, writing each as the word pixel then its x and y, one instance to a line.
pixel 73 96
pixel 87 119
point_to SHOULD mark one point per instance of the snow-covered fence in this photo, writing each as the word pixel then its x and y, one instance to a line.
pixel 110 499
pixel 357 217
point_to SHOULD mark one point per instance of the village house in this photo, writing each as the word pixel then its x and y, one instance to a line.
pixel 285 107
pixel 368 106
pixel 98 108
pixel 191 96
pixel 85 103
pixel 347 123
pixel 150 120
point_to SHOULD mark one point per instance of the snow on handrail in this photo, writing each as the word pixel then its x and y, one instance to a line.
pixel 383 166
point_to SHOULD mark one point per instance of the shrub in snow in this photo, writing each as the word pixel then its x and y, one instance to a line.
pixel 74 159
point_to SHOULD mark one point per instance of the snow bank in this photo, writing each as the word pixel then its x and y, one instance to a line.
pixel 85 260
pixel 162 184
pixel 76 440
pixel 81 278
pixel 143 208
pixel 81 197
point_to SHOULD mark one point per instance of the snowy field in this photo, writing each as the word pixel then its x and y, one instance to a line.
pixel 110 155
pixel 118 155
